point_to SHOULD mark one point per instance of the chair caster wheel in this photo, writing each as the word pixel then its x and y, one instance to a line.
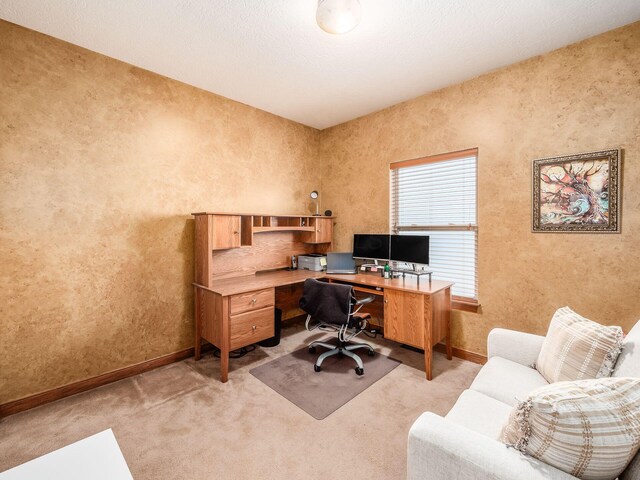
pixel 312 349
pixel 360 371
pixel 370 353
pixel 317 368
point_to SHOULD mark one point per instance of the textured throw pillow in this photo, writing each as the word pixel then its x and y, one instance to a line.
pixel 588 428
pixel 576 348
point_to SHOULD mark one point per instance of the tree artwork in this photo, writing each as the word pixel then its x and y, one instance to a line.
pixel 577 193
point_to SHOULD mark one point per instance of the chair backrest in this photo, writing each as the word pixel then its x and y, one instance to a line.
pixel 327 302
pixel 628 364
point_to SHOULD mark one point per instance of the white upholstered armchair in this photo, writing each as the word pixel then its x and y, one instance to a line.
pixel 465 444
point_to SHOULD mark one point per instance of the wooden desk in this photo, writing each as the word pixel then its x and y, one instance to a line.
pixel 239 281
pixel 238 311
pixel 416 313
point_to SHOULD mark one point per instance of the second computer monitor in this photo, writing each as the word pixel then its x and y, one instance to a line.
pixel 410 249
pixel 371 246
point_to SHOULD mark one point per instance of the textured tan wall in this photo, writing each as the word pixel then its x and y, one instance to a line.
pixel 100 165
pixel 580 98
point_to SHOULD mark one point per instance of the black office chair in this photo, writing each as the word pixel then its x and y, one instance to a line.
pixel 332 305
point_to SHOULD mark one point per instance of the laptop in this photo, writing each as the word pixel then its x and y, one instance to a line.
pixel 341 263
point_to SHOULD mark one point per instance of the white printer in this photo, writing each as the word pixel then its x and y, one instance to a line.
pixel 316 262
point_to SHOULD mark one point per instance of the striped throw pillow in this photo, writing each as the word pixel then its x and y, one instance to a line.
pixel 576 348
pixel 588 428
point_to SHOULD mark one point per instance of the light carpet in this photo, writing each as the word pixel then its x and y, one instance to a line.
pixel 180 422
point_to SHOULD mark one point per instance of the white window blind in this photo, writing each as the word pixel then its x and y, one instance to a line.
pixel 436 196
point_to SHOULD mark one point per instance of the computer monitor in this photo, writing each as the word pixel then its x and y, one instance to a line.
pixel 371 246
pixel 410 249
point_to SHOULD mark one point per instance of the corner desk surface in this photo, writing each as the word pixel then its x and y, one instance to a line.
pixel 237 311
pixel 279 278
pixel 248 283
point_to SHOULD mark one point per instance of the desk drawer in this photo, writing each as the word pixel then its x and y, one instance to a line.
pixel 251 327
pixel 251 301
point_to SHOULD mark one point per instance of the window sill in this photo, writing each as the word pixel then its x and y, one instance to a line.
pixel 465 304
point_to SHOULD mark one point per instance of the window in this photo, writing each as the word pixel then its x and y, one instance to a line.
pixel 436 196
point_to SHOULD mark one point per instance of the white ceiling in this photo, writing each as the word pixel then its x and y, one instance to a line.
pixel 271 54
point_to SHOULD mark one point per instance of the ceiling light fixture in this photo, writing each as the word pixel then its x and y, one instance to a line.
pixel 338 16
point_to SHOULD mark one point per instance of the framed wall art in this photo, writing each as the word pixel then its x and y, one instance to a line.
pixel 577 193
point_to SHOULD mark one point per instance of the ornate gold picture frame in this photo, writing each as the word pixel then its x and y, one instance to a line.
pixel 577 193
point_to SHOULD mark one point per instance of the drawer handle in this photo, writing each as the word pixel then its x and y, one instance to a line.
pixel 236 232
pixel 253 327
pixel 254 300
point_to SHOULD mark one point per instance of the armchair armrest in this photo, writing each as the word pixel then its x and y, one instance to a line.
pixel 439 448
pixel 519 347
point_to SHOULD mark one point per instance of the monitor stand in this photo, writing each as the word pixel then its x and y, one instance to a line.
pixel 413 271
pixel 371 266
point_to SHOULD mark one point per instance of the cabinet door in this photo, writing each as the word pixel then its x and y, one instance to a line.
pixel 226 231
pixel 324 230
pixel 404 317
pixel 322 233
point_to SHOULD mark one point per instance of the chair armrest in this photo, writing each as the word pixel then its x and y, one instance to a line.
pixel 519 347
pixel 365 300
pixel 439 448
